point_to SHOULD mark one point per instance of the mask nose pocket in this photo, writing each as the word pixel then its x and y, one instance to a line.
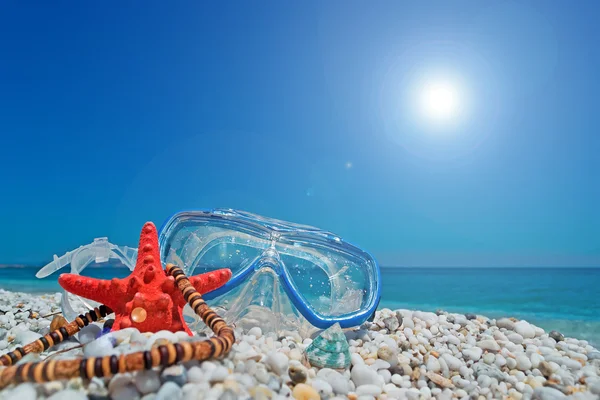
pixel 260 299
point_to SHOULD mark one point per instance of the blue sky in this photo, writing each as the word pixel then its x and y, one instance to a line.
pixel 113 116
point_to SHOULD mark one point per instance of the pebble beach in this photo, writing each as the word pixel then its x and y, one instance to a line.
pixel 402 354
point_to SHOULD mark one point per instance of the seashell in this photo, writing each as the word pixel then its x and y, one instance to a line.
pixel 330 349
pixel 57 322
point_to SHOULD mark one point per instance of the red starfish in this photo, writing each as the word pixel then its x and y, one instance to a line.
pixel 147 299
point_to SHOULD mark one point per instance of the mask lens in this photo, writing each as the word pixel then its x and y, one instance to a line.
pixel 330 282
pixel 201 248
pixel 311 281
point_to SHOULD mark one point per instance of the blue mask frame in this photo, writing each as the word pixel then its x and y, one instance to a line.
pixel 173 225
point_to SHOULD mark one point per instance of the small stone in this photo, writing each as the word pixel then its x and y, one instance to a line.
pixel 256 332
pixel 499 360
pixel 388 354
pixel 439 380
pixel 488 344
pixel 97 390
pixel 368 390
pixel 391 324
pixel 525 329
pixel 295 354
pixel 545 368
pixel 228 394
pixel 322 387
pixel 523 363
pixel 303 391
pixel 547 393
pixel 489 370
pixel 339 383
pixel 515 338
pixel 535 359
pixel 50 388
pixel 26 337
pixel 68 394
pixel 278 362
pixel 88 333
pixel 175 374
pixel 380 364
pixel 138 338
pixel 364 375
pixel 99 348
pixel 470 316
pixel 505 323
pixel 356 359
pixel 126 392
pixel 400 318
pixel 488 358
pixel 219 374
pixel 474 353
pixel 147 381
pixel 595 388
pixel 169 391
pixel 196 375
pixel 453 363
pixel 433 364
pixel 75 383
pixel 556 335
pixel 160 338
pixel 24 391
pixel 297 373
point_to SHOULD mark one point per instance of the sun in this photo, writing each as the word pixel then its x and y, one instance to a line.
pixel 440 101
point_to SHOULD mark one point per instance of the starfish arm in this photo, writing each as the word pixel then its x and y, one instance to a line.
pixel 210 281
pixel 100 290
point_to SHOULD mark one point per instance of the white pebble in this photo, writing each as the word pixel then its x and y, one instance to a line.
pixel 68 394
pixel 523 363
pixel 219 374
pixel 356 359
pixel 278 362
pixel 322 387
pixel 368 390
pixel 452 362
pixel 24 391
pixel 169 391
pixel 256 332
pixel 363 375
pixel 525 329
pixel 88 333
pixel 474 353
pixel 488 344
pixel 147 381
pixel 433 364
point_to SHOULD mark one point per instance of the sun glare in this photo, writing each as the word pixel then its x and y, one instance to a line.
pixel 439 101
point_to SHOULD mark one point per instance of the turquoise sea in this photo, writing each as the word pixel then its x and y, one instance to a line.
pixel 565 299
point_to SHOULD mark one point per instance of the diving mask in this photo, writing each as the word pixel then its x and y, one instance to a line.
pixel 282 273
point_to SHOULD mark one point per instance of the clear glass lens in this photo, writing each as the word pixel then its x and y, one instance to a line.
pixel 332 283
pixel 200 248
